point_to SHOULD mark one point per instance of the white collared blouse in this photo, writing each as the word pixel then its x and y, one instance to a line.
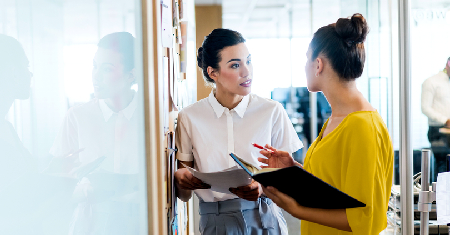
pixel 207 132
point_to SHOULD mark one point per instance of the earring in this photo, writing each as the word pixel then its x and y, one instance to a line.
pixel 317 74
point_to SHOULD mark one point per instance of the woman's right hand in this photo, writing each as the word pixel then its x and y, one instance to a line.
pixel 276 158
pixel 185 180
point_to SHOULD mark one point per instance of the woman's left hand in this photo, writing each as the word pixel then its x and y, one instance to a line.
pixel 249 192
pixel 282 200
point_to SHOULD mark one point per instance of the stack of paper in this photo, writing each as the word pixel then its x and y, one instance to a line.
pixel 222 181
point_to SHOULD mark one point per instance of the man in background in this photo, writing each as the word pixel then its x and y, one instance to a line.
pixel 436 106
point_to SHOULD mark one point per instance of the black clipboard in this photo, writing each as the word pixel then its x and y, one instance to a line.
pixel 305 188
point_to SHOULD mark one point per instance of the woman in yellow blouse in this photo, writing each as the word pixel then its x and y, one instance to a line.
pixel 353 152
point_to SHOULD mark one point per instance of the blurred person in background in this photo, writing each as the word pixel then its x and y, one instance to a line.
pixel 436 106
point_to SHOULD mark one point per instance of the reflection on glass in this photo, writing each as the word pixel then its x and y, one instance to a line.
pixel 429 55
pixel 72 142
pixel 16 162
pixel 15 79
pixel 103 135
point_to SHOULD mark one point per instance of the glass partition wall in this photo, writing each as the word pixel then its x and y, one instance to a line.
pixel 417 117
pixel 72 150
pixel 429 22
pixel 429 57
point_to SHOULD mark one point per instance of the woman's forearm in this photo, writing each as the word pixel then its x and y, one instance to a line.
pixel 183 194
pixel 336 218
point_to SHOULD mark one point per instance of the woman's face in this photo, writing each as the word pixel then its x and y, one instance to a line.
pixel 235 70
pixel 16 80
pixel 108 75
pixel 311 79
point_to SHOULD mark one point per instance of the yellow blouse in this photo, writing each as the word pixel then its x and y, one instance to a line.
pixel 356 158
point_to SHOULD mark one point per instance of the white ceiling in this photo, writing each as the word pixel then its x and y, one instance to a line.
pixel 263 18
pixel 271 18
pixel 299 18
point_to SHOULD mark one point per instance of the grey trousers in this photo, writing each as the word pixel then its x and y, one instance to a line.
pixel 241 217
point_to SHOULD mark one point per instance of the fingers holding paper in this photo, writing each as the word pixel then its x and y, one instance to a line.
pixel 185 180
pixel 276 158
pixel 249 192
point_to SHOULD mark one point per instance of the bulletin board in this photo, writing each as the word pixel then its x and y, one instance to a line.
pixel 177 33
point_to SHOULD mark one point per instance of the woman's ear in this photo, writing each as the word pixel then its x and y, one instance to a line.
pixel 213 74
pixel 319 66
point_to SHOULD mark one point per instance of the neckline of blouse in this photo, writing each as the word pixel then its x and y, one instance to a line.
pixel 340 126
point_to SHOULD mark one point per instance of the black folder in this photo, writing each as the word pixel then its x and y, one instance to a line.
pixel 305 188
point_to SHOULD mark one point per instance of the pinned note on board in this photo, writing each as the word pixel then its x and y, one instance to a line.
pixel 166 23
pixel 183 48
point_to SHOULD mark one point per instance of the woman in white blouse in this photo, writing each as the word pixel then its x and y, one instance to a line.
pixel 229 120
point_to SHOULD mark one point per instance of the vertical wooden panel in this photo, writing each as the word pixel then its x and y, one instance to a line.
pixel 207 18
pixel 147 57
pixel 160 199
pixel 152 70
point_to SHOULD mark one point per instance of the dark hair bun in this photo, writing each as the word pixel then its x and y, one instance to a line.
pixel 353 30
pixel 200 57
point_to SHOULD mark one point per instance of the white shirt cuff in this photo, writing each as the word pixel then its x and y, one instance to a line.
pixel 442 120
pixel 185 157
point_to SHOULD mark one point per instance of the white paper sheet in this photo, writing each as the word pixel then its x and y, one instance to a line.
pixel 166 23
pixel 222 181
pixel 443 198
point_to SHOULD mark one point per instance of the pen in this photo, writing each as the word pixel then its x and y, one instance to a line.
pixel 261 147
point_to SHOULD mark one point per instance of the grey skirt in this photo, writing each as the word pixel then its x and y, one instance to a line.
pixel 241 217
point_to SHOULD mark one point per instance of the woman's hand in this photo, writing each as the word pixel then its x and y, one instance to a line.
pixel 282 200
pixel 186 181
pixel 249 192
pixel 276 158
pixel 335 218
